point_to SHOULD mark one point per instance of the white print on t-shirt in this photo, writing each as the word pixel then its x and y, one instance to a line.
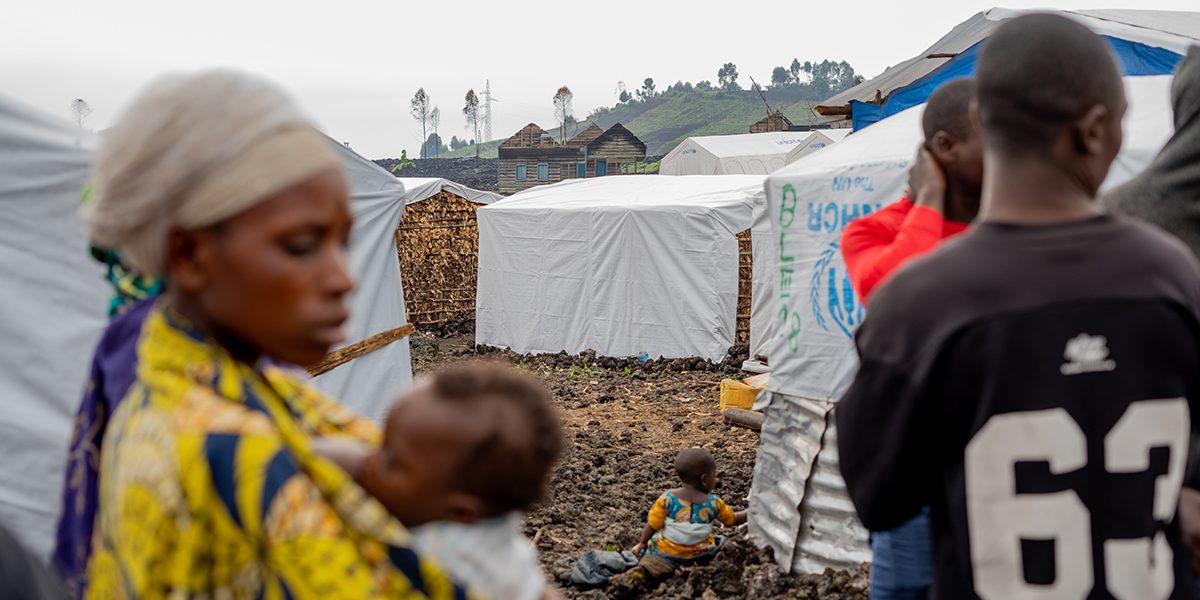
pixel 1087 354
pixel 998 517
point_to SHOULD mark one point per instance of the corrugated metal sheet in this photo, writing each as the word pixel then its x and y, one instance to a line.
pixel 830 533
pixel 787 449
pixel 798 504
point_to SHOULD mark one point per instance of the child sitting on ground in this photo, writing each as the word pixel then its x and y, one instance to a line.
pixel 679 528
pixel 463 456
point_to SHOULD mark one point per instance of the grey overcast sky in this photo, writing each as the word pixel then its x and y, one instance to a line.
pixel 355 64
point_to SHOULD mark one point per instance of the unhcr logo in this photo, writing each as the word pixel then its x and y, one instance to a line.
pixel 1087 354
pixel 834 304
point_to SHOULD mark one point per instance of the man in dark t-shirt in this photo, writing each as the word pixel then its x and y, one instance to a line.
pixel 1034 380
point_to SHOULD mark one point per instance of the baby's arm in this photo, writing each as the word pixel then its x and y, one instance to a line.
pixel 727 516
pixel 655 521
pixel 346 452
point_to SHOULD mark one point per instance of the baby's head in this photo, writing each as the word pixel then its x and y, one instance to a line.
pixel 475 441
pixel 697 469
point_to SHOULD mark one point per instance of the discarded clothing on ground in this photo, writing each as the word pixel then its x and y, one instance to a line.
pixel 596 567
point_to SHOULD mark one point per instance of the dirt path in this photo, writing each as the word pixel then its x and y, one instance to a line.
pixel 624 423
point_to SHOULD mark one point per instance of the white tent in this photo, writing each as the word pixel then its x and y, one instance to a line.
pixel 1170 30
pixel 623 266
pixel 810 202
pixel 369 383
pixel 52 310
pixel 419 189
pixel 819 139
pixel 747 153
pixel 55 299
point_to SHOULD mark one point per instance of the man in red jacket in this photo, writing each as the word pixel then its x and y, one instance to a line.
pixel 944 189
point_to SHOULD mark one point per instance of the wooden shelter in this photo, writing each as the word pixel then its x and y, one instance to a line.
pixel 438 246
pixel 773 122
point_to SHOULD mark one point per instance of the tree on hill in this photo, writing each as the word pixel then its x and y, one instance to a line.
pixel 562 110
pixel 727 76
pixel 647 91
pixel 824 78
pixel 433 146
pixel 471 112
pixel 419 108
pixel 780 76
pixel 456 143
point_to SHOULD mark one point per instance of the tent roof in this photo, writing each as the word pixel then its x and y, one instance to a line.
pixel 833 135
pixel 1147 126
pixel 747 144
pixel 1171 30
pixel 419 189
pixel 637 193
pixel 836 135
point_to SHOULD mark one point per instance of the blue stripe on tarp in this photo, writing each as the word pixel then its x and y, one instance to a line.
pixel 1135 59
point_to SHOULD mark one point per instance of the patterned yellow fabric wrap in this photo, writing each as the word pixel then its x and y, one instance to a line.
pixel 209 488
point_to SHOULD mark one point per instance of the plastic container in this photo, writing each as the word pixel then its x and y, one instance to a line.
pixel 735 394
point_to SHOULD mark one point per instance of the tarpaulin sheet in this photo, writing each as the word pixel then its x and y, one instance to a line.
pixel 813 199
pixel 739 154
pixel 817 140
pixel 52 309
pixel 419 189
pixel 369 383
pixel 624 266
pixel 1174 31
pixel 1135 60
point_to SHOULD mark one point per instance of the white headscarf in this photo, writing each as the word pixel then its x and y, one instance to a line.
pixel 194 150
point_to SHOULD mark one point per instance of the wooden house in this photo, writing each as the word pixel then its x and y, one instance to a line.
pixel 773 122
pixel 532 157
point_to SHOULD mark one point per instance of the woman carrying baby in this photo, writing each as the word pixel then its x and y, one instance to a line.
pixel 208 485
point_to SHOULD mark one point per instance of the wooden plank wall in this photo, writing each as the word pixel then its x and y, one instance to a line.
pixel 560 169
pixel 745 287
pixel 617 150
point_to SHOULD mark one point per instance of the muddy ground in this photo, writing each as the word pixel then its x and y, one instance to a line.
pixel 624 423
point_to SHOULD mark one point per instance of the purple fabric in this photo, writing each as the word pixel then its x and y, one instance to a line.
pixel 114 369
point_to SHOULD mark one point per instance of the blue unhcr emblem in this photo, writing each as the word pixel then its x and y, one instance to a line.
pixel 832 295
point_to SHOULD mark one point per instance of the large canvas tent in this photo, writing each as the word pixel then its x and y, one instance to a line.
pixel 368 383
pixel 55 300
pixel 798 503
pixel 746 153
pixel 1145 42
pixel 52 310
pixel 623 266
pixel 821 138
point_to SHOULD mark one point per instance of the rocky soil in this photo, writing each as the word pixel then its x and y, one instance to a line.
pixel 625 420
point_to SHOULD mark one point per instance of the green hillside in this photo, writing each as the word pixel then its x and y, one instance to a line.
pixel 486 150
pixel 663 119
pixel 666 120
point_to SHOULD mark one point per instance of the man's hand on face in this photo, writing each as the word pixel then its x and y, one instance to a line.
pixel 927 182
pixel 1189 521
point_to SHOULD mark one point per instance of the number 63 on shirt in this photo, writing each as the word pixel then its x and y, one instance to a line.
pixel 999 518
